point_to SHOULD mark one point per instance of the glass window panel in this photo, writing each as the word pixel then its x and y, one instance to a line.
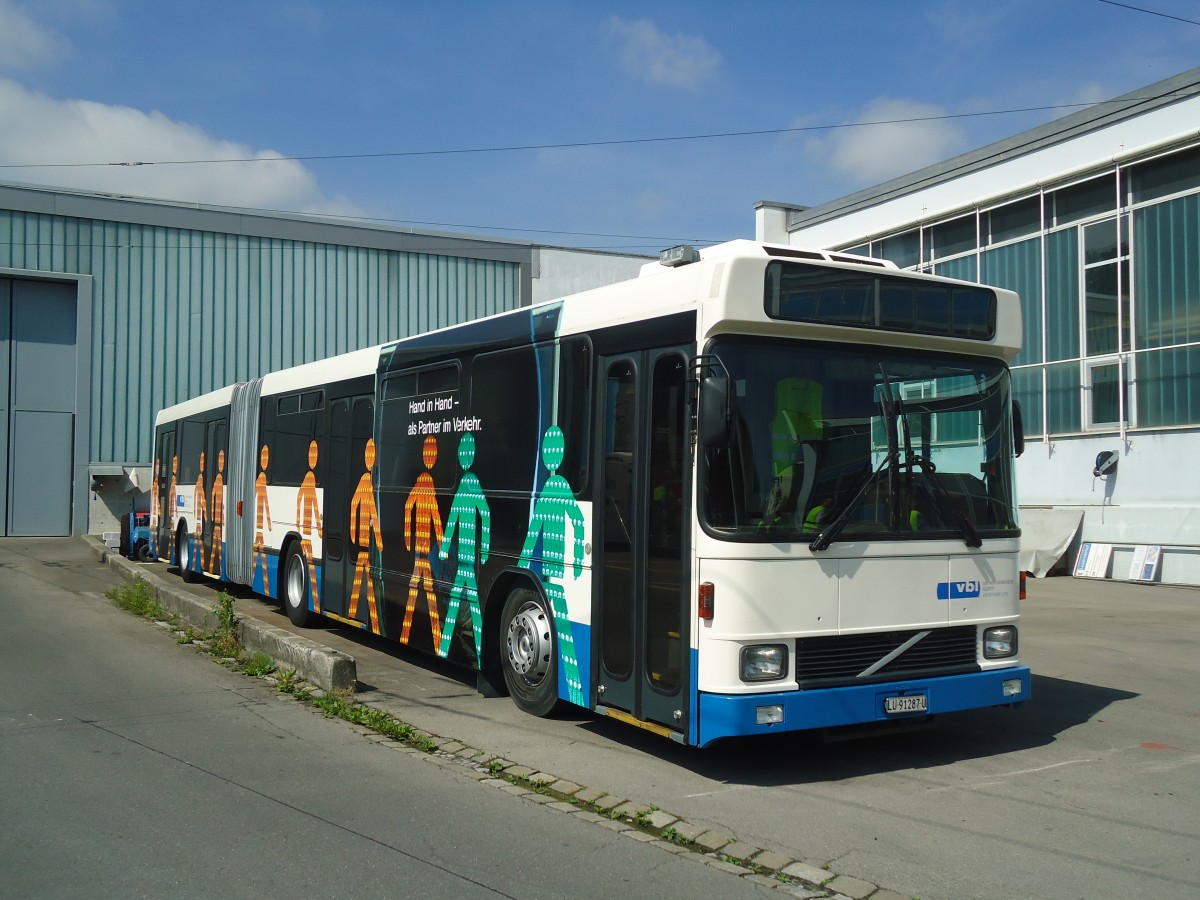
pixel 952 238
pixel 1014 220
pixel 1062 398
pixel 860 250
pixel 1106 395
pixel 1027 390
pixel 1168 175
pixel 1082 201
pixel 1100 242
pixel 964 267
pixel 902 249
pixel 1062 294
pixel 1168 273
pixel 1167 387
pixel 1018 267
pixel 1102 302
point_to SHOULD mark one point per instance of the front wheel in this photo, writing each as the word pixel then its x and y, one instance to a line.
pixel 296 586
pixel 529 653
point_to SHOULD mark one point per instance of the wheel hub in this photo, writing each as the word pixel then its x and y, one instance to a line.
pixel 529 642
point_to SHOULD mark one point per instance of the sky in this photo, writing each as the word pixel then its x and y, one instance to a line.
pixel 619 126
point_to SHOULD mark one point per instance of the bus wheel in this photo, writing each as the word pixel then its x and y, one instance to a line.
pixel 183 555
pixel 528 654
pixel 296 587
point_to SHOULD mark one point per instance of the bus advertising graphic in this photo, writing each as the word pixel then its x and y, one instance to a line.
pixel 364 528
pixel 423 520
pixel 554 514
pixel 473 542
pixel 753 490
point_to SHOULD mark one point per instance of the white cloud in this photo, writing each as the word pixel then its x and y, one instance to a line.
pixel 41 130
pixel 26 45
pixel 909 135
pixel 678 60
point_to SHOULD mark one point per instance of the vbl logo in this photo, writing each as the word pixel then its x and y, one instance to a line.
pixel 957 590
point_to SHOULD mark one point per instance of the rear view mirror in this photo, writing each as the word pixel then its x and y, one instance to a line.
pixel 715 414
pixel 1018 429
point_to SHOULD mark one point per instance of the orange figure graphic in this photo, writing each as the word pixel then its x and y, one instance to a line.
pixel 364 522
pixel 201 506
pixel 262 520
pixel 172 507
pixel 428 521
pixel 216 513
pixel 155 506
pixel 308 519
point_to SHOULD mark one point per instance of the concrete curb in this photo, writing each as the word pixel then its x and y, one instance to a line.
pixel 328 669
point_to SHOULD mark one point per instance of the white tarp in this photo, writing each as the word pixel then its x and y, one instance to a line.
pixel 1046 534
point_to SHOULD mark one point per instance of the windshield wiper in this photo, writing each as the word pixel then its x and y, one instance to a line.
pixel 969 535
pixel 834 528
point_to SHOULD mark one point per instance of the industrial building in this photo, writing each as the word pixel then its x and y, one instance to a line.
pixel 112 308
pixel 1094 219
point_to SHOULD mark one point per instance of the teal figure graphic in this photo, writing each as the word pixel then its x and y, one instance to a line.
pixel 469 505
pixel 554 508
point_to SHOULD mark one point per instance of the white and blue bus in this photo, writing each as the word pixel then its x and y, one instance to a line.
pixel 756 489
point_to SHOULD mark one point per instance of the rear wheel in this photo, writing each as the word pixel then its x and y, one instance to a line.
pixel 184 555
pixel 296 586
pixel 529 653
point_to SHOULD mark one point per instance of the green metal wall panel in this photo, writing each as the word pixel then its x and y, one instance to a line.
pixel 178 312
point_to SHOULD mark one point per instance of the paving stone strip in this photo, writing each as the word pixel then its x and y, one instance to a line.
pixel 638 820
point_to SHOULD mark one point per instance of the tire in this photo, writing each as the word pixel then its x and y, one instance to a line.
pixel 183 555
pixel 142 550
pixel 295 588
pixel 529 652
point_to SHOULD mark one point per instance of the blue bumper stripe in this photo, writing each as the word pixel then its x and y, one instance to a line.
pixel 729 715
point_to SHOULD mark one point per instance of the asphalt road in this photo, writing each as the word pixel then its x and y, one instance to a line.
pixel 1088 791
pixel 135 767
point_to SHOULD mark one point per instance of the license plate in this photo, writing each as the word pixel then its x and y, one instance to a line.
pixel 909 703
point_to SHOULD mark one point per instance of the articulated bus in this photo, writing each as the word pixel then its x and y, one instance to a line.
pixel 756 489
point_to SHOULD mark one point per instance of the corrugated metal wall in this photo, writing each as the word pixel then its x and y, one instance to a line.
pixel 178 312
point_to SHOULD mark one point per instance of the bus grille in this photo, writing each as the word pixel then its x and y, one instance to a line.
pixel 841 659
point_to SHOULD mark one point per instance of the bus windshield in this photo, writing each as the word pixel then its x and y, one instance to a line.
pixel 836 443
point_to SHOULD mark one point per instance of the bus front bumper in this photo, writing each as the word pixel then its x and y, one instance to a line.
pixel 731 715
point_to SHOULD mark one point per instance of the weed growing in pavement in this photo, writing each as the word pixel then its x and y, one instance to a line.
pixel 286 680
pixel 495 767
pixel 671 834
pixel 137 598
pixel 642 819
pixel 258 664
pixel 223 642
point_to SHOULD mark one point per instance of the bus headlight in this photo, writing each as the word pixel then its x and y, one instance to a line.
pixel 764 662
pixel 999 642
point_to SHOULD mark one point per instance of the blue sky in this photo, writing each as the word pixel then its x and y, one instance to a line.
pixel 105 81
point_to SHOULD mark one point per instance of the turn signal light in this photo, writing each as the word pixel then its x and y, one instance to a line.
pixel 707 593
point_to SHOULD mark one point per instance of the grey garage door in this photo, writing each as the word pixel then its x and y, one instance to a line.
pixel 37 406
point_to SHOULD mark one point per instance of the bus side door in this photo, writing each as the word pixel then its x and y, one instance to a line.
pixel 641 595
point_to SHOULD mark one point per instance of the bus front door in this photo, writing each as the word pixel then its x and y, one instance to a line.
pixel 641 594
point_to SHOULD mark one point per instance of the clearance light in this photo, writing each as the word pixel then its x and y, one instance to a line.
pixel 680 255
pixel 1011 687
pixel 768 715
pixel 707 601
